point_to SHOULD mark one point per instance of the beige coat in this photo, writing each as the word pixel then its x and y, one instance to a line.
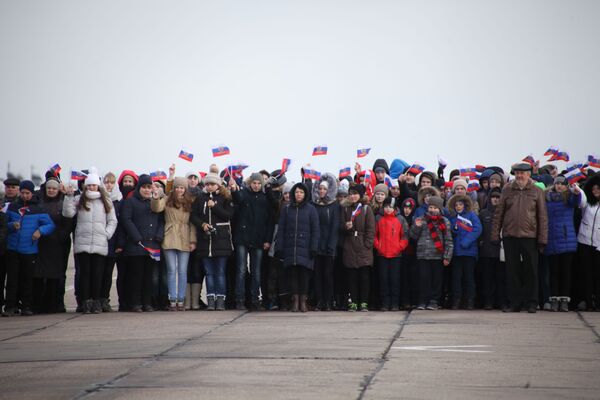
pixel 179 231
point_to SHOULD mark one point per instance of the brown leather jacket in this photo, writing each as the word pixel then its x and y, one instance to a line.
pixel 521 213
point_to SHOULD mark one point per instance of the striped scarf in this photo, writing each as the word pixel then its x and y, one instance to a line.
pixel 433 222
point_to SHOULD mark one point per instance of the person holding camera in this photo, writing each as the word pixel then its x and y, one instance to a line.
pixel 211 214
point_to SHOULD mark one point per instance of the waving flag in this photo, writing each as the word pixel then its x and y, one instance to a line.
pixel 285 164
pixel 469 172
pixel 219 151
pixel 464 223
pixel 356 212
pixel 158 175
pixel 416 169
pixel 78 176
pixel 310 173
pixel 235 171
pixel 388 181
pixel 574 175
pixel 551 151
pixel 594 162
pixel 344 172
pixel 530 160
pixel 558 156
pixel 473 185
pixel 320 151
pixel 186 156
pixel 360 153
pixel 153 253
pixel 55 169
pixel 479 168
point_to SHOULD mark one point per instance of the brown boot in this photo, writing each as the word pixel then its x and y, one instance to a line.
pixel 303 307
pixel 294 305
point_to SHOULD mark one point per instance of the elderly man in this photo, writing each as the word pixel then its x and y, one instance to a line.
pixel 522 220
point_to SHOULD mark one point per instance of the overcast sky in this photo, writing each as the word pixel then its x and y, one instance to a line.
pixel 128 84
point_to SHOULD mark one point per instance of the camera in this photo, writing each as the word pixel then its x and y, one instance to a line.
pixel 212 231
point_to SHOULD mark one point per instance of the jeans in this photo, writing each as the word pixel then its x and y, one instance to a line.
pixel 389 281
pixel 177 265
pixel 463 270
pixel 215 275
pixel 241 254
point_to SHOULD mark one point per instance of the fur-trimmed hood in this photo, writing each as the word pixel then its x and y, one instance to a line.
pixel 459 197
pixel 587 188
pixel 223 191
pixel 347 203
pixel 302 186
pixel 332 189
pixel 432 190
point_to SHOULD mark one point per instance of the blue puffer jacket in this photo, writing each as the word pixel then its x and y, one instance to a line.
pixel 466 228
pixel 562 237
pixel 298 231
pixel 31 217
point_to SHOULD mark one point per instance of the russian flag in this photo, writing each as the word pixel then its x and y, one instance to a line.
pixel 416 169
pixel 23 211
pixel 285 164
pixel 78 176
pixel 153 253
pixel 320 151
pixel 551 151
pixel 158 175
pixel 344 172
pixel 360 153
pixel 220 151
pixel 464 223
pixel 479 168
pixel 236 170
pixel 311 173
pixel 558 156
pixel 593 162
pixel 55 169
pixel 529 160
pixel 473 185
pixel 574 175
pixel 186 156
pixel 356 212
pixel 387 180
pixel 470 172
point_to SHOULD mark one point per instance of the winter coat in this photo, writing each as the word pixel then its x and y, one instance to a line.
pixel 329 216
pixel 359 240
pixel 391 235
pixel 31 218
pixel 423 207
pixel 140 224
pixel 466 228
pixel 298 231
pixel 179 230
pixel 426 246
pixel 562 237
pixel 94 227
pixel 487 248
pixel 3 233
pixel 521 213
pixel 219 243
pixel 53 248
pixel 254 218
pixel 589 229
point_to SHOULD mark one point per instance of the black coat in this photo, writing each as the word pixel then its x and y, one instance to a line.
pixel 3 233
pixel 486 247
pixel 254 221
pixel 52 249
pixel 219 243
pixel 140 224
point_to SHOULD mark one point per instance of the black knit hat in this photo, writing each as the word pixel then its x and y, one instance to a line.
pixel 357 188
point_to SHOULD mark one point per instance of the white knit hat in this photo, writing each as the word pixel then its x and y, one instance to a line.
pixel 92 177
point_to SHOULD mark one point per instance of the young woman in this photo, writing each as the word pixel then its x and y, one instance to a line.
pixel 96 223
pixel 180 238
pixel 589 242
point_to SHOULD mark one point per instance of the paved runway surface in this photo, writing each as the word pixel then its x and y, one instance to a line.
pixel 333 355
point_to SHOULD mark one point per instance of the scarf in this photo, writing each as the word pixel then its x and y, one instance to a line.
pixel 433 222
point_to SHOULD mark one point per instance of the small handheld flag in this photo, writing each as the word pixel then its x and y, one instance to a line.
pixel 153 253
pixel 344 172
pixel 560 156
pixel 310 173
pixel 186 156
pixel 464 223
pixel 473 185
pixel 356 212
pixel 479 168
pixel 388 181
pixel 529 160
pixel 55 169
pixel 158 175
pixel 23 211
pixel 320 151
pixel 235 171
pixel 220 151
pixel 469 172
pixel 416 169
pixel 285 164
pixel 574 175
pixel 551 151
pixel 593 162
pixel 360 153
pixel 78 176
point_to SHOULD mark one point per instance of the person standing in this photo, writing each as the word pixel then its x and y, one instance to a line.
pixel 588 240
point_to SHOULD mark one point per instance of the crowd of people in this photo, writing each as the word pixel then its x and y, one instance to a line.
pixel 388 238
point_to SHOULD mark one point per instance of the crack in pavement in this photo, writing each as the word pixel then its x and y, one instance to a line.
pixel 383 359
pixel 588 325
pixel 34 331
pixel 151 359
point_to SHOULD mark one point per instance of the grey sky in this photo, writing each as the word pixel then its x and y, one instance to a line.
pixel 127 84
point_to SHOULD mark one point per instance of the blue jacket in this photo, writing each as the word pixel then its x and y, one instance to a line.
pixel 561 227
pixel 31 218
pixel 466 228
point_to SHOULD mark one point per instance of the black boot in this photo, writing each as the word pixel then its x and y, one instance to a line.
pixel 210 300
pixel 96 307
pixel 220 303
pixel 87 306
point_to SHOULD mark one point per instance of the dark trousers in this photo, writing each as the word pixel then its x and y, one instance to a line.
pixel 430 280
pixel 463 278
pixel 19 279
pixel 324 279
pixel 560 274
pixel 91 272
pixel 543 279
pixel 522 277
pixel 493 282
pixel 109 266
pixel 374 289
pixel 140 279
pixel 195 272
pixel 590 258
pixel 389 281
pixel 340 286
pixel 299 277
pixel 274 268
pixel 2 278
pixel 358 284
pixel 160 285
pixel 412 267
pixel 46 295
pixel 405 283
pixel 123 284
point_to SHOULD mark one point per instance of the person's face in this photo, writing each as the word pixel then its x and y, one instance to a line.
pixel 560 187
pixel 51 192
pixel 522 177
pixel 433 210
pixel 447 191
pixel 388 209
pixel 407 211
pixel 109 185
pixel 286 197
pixel 11 191
pixel 485 184
pixel 146 191
pixel 211 187
pixel 157 186
pixel 395 191
pixel 596 191
pixel 341 197
pixel 459 207
pixel 91 188
pixel 426 198
pixel 299 195
pixel 410 179
pixel 322 191
pixel 256 186
pixel 179 191
pixel 354 197
pixel 554 172
pixel 380 175
pixel 460 190
pixel 193 181
pixel 425 181
pixel 265 177
pixel 379 197
pixel 495 200
pixel 494 183
pixel 128 181
pixel 26 195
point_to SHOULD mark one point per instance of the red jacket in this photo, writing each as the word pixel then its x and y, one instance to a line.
pixel 390 238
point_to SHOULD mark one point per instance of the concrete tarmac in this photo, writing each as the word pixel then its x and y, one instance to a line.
pixel 283 355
